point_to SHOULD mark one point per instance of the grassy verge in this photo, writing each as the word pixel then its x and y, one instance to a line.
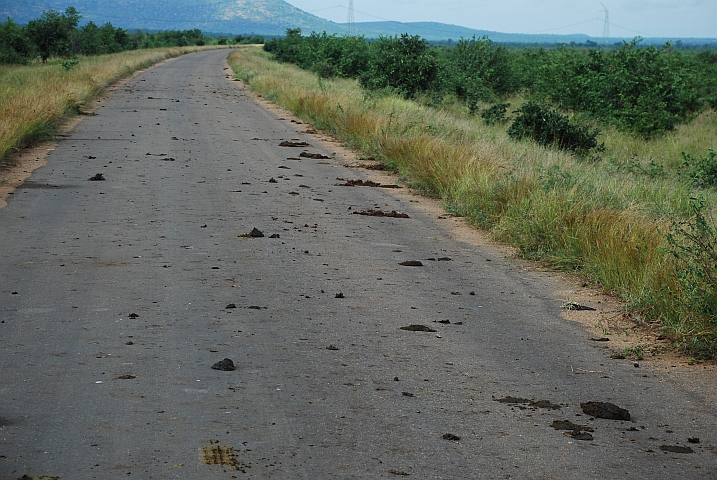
pixel 35 99
pixel 608 219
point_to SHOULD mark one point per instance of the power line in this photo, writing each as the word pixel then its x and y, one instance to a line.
pixel 636 31
pixel 561 28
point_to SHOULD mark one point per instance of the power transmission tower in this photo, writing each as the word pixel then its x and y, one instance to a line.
pixel 350 19
pixel 606 26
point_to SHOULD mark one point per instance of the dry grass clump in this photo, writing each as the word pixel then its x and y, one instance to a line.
pixel 35 98
pixel 605 218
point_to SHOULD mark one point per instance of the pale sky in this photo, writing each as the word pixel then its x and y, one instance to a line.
pixel 628 18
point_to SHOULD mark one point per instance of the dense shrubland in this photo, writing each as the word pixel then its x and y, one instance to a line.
pixel 645 91
pixel 599 161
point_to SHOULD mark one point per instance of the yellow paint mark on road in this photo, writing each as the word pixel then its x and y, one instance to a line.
pixel 218 455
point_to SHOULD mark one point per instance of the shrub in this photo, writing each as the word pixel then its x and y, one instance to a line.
pixel 70 63
pixel 712 101
pixel 693 245
pixel 495 114
pixel 478 70
pixel 324 69
pixel 336 56
pixel 354 58
pixel 550 128
pixel 290 49
pixel 15 47
pixel 57 34
pixel 700 171
pixel 405 64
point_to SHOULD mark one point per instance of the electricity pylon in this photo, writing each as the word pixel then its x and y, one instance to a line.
pixel 350 18
pixel 606 26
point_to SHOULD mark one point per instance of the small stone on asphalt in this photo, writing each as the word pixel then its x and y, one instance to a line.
pixel 226 365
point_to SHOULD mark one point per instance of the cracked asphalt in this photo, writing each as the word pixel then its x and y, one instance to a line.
pixel 118 295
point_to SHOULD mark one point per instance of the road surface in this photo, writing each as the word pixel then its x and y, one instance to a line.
pixel 118 296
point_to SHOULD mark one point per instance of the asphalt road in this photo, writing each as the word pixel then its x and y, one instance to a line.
pixel 114 303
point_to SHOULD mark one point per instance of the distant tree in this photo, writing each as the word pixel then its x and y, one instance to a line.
pixel 52 32
pixel 15 47
pixel 248 39
pixel 291 48
pixel 94 40
pixel 478 70
pixel 405 64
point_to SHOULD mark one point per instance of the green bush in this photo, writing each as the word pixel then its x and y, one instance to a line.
pixel 478 71
pixel 693 245
pixel 405 64
pixel 704 66
pixel 325 69
pixel 336 56
pixel 495 114
pixel 700 171
pixel 712 101
pixel 354 58
pixel 550 128
pixel 15 47
pixel 293 48
pixel 70 63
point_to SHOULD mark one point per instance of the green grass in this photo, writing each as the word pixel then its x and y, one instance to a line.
pixel 605 218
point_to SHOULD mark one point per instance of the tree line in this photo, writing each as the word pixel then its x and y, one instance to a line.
pixel 58 34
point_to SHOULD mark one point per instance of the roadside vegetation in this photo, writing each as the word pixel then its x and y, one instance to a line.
pixel 51 68
pixel 35 99
pixel 599 162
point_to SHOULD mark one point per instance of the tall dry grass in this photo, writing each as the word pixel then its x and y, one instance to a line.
pixel 602 218
pixel 34 99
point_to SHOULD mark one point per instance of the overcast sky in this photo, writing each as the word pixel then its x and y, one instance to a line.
pixel 628 18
